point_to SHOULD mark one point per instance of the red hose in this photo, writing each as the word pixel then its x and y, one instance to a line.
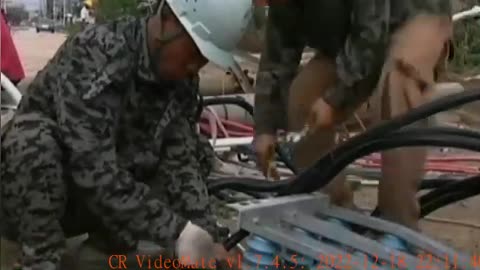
pixel 449 158
pixel 439 167
pixel 234 128
pixel 238 125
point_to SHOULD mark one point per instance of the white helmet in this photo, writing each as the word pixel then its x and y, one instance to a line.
pixel 216 26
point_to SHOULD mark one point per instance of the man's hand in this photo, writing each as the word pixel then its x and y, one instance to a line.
pixel 323 116
pixel 220 252
pixel 228 259
pixel 195 244
pixel 265 150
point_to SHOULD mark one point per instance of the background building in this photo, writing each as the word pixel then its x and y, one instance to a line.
pixel 58 9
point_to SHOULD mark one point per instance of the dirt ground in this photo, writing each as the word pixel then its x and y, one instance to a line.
pixel 36 49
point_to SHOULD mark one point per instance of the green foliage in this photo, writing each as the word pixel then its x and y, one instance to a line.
pixel 15 15
pixel 467 47
pixel 72 29
pixel 112 9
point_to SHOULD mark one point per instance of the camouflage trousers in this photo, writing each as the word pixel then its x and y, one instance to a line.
pixel 423 43
pixel 84 254
pixel 35 198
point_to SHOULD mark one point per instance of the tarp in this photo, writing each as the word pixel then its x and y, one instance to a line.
pixel 11 65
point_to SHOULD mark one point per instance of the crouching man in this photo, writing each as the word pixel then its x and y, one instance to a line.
pixel 104 141
pixel 385 52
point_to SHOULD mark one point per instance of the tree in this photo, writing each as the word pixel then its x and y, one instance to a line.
pixel 49 9
pixel 466 41
pixel 16 15
pixel 111 9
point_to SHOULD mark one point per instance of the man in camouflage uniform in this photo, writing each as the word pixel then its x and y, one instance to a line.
pixel 360 46
pixel 104 142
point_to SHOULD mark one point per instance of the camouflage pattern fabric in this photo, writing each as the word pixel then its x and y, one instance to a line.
pixel 94 132
pixel 354 33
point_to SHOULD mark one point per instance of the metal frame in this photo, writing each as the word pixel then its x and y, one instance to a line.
pixel 275 219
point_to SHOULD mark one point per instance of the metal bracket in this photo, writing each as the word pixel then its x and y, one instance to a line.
pixel 278 220
pixel 242 79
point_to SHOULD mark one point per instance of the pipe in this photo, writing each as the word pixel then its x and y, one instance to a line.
pixel 237 107
pixel 430 166
pixel 231 142
pixel 473 12
pixel 217 82
pixel 11 90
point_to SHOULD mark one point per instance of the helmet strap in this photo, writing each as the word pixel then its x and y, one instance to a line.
pixel 167 37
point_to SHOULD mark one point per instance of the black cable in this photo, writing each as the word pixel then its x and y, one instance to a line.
pixel 389 143
pixel 435 183
pixel 422 112
pixel 256 188
pixel 331 165
pixel 335 162
pixel 448 199
pixel 449 194
pixel 242 184
pixel 466 183
pixel 239 101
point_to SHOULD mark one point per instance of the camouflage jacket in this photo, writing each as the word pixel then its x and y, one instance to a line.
pixel 118 127
pixel 354 33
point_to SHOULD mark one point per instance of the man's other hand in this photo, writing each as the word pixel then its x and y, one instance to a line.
pixel 228 259
pixel 323 116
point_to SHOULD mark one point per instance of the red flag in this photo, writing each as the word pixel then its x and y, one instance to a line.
pixel 10 62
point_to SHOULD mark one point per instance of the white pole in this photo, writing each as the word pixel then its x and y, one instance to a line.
pixel 64 12
pixel 473 12
pixel 10 89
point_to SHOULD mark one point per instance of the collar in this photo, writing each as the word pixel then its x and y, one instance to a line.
pixel 144 64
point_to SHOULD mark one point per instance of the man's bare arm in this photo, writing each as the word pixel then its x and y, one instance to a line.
pixel 278 66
